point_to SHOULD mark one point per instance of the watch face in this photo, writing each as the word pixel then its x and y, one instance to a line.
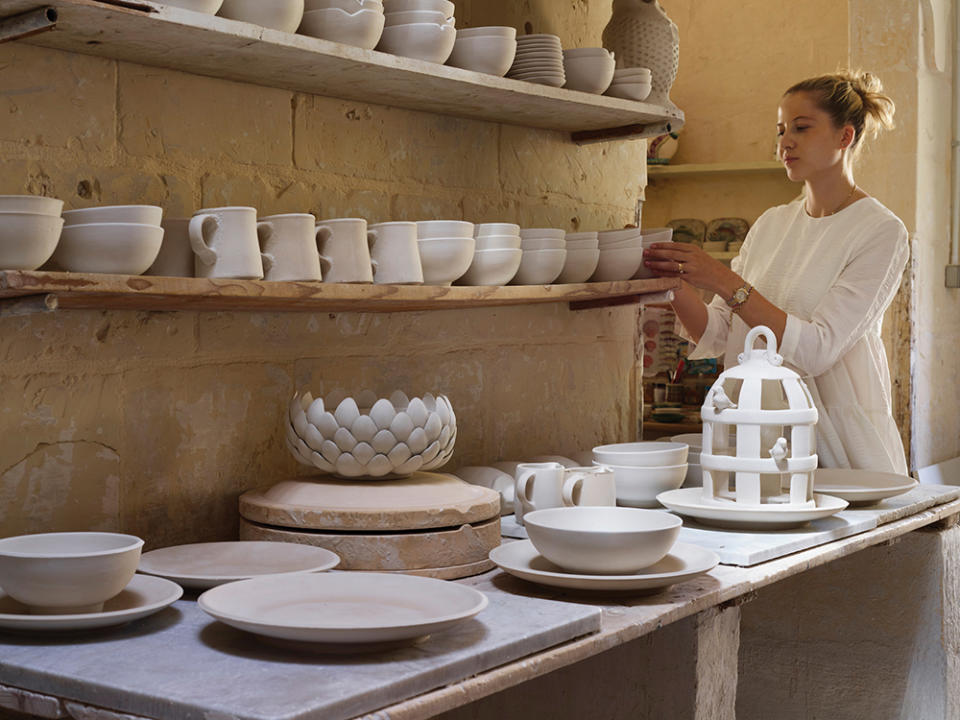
pixel 740 295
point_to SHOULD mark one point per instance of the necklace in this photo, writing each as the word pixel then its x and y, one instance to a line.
pixel 840 206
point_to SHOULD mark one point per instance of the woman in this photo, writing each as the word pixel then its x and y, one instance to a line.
pixel 820 272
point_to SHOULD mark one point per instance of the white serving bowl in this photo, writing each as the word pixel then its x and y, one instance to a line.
pixel 618 264
pixel 492 267
pixel 483 229
pixel 34 204
pixel 579 265
pixel 588 73
pixel 140 214
pixel 369 436
pixel 592 236
pixel 642 454
pixel 409 17
pixel 489 54
pixel 427 229
pixel 498 242
pixel 612 235
pixel 351 6
pixel 121 248
pixel 543 233
pixel 602 540
pixel 543 243
pixel 27 239
pixel 283 15
pixel 66 573
pixel 639 486
pixel 582 245
pixel 208 7
pixel 539 267
pixel 656 235
pixel 633 242
pixel 489 31
pixel 423 41
pixel 361 29
pixel 445 259
pixel 444 6
pixel 629 90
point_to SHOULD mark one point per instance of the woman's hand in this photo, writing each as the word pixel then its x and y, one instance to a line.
pixel 691 264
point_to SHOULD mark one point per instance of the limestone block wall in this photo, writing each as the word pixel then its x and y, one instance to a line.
pixel 153 423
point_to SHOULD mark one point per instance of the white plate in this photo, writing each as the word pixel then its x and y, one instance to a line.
pixel 348 607
pixel 684 561
pixel 206 565
pixel 861 487
pixel 687 501
pixel 143 595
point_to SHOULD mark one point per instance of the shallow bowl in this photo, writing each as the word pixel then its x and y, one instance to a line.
pixel 422 41
pixel 588 73
pixel 492 267
pixel 642 454
pixel 283 15
pixel 207 7
pixel 360 29
pixel 488 54
pixel 526 233
pixel 579 265
pixel 27 240
pixel 34 204
pixel 484 229
pixel 545 243
pixel 639 486
pixel 121 248
pixel 350 6
pixel 139 214
pixel 489 31
pixel 605 236
pixel 445 259
pixel 618 264
pixel 444 6
pixel 602 540
pixel 408 17
pixel 498 242
pixel 539 267
pixel 427 229
pixel 629 90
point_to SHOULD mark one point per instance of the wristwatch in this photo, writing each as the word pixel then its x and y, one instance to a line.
pixel 740 296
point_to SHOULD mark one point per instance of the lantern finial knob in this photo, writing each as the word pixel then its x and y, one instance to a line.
pixel 750 353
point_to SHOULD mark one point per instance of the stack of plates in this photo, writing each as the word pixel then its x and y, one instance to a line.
pixel 539 59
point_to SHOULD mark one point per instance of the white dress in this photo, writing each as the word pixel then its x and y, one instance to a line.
pixel 834 277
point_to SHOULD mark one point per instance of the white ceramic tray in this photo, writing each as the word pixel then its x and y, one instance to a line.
pixel 861 487
pixel 143 596
pixel 206 565
pixel 342 608
pixel 682 563
pixel 687 502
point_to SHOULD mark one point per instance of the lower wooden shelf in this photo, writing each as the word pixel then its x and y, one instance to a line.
pixel 49 290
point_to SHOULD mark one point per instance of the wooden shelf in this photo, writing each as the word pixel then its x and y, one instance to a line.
pixel 23 291
pixel 149 33
pixel 699 169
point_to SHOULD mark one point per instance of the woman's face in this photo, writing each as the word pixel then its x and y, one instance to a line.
pixel 808 141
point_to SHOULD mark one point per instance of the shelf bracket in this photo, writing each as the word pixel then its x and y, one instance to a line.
pixel 644 299
pixel 28 23
pixel 625 132
pixel 28 305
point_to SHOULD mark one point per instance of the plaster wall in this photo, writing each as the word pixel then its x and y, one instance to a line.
pixel 153 423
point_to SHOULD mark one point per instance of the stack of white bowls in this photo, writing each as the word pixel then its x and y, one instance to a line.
pixel 583 255
pixel 539 60
pixel 621 254
pixel 351 22
pixel 29 230
pixel 588 70
pixel 420 29
pixel 497 255
pixel 488 50
pixel 643 470
pixel 694 441
pixel 283 15
pixel 544 255
pixel 120 239
pixel 647 238
pixel 631 83
pixel 446 250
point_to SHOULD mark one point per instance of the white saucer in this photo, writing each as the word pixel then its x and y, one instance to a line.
pixel 206 565
pixel 683 562
pixel 342 608
pixel 143 596
pixel 861 487
pixel 687 501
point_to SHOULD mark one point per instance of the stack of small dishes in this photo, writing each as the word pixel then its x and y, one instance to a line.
pixel 647 238
pixel 496 256
pixel 29 230
pixel 488 50
pixel 621 254
pixel 588 70
pixel 539 59
pixel 603 548
pixel 544 255
pixel 121 239
pixel 642 470
pixel 420 29
pixel 631 84
pixel 446 250
pixel 283 15
pixel 351 22
pixel 583 254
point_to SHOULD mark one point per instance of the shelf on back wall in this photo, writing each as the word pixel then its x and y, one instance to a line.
pixel 702 169
pixel 158 35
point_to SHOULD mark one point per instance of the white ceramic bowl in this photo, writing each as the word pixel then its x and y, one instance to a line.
pixel 369 436
pixel 489 54
pixel 443 229
pixel 36 204
pixel 636 242
pixel 444 6
pixel 579 266
pixel 588 73
pixel 351 6
pixel 408 17
pixel 445 259
pixel 657 235
pixel 642 454
pixel 539 267
pixel 588 52
pixel 139 214
pixel 361 29
pixel 639 486
pixel 602 540
pixel 582 245
pixel 636 72
pixel 422 41
pixel 543 243
pixel 27 240
pixel 121 248
pixel 483 229
pixel 489 31
pixel 543 233
pixel 283 15
pixel 492 267
pixel 66 573
pixel 618 264
pixel 208 7
pixel 498 242
pixel 605 236
pixel 592 236
pixel 630 90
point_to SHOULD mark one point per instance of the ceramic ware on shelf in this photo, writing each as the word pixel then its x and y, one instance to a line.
pixel 432 229
pixel 689 230
pixel 444 6
pixel 579 266
pixel 445 259
pixel 861 487
pixel 726 231
pixel 641 35
pixel 648 237
pixel 394 254
pixel 120 248
pixel 499 229
pixel 207 7
pixel 538 59
pixel 31 204
pixel 642 454
pixel 288 247
pixel 283 15
pixel 344 250
pixel 431 42
pixel 410 17
pixel 497 242
pixel 361 28
pixel 225 243
pixel 639 486
pixel 27 239
pixel 486 50
pixel 492 266
pixel 175 258
pixel 544 243
pixel 626 90
pixel 689 503
pixel 137 214
pixel 540 267
pixel 350 6
pixel 588 70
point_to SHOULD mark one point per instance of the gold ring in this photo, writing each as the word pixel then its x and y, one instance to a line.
pixel 680 268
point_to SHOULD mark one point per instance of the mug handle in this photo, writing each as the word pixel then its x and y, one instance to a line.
pixel 198 229
pixel 321 235
pixel 523 479
pixel 264 233
pixel 570 486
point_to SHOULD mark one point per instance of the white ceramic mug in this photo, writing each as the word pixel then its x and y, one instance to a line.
pixel 591 486
pixel 224 241
pixel 175 258
pixel 343 247
pixel 394 254
pixel 289 247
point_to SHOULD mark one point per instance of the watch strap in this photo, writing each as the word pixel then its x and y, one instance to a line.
pixel 740 296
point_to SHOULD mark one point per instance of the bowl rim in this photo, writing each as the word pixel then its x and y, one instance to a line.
pixel 133 543
pixel 540 518
pixel 612 448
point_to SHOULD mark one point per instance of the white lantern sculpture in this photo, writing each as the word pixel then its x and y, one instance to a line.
pixel 772 414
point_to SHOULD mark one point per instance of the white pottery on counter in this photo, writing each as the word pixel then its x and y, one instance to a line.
pixel 288 247
pixel 394 254
pixel 175 258
pixel 642 36
pixel 861 487
pixel 543 485
pixel 225 243
pixel 344 251
pixel 283 15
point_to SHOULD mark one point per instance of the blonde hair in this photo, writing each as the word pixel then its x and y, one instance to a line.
pixel 851 97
